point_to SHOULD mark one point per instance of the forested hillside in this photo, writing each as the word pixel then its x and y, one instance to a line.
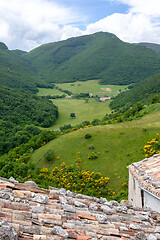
pixel 142 92
pixel 17 72
pixel 155 47
pixel 19 109
pixel 98 56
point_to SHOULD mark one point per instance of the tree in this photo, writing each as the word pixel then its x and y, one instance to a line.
pixel 72 115
pixel 49 155
pixel 155 99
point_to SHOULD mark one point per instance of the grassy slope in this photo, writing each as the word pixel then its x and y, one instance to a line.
pixel 97 56
pixel 118 144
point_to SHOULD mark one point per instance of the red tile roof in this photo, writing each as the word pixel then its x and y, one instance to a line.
pixel 147 173
pixel 37 214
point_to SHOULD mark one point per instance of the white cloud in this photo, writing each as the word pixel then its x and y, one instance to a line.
pixel 25 24
pixel 140 24
pixel 147 7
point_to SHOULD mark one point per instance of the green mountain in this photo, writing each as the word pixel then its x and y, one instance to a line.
pixel 155 47
pixel 142 92
pixel 17 72
pixel 98 56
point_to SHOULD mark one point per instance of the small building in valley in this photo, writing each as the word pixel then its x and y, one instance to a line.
pixel 68 96
pixel 103 99
pixel 144 183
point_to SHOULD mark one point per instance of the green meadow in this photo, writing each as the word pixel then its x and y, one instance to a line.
pixel 117 145
pixel 93 87
pixel 83 111
pixel 48 91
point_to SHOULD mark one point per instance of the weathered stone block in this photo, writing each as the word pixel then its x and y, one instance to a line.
pixel 69 208
pixel 37 209
pixel 7 232
pixel 60 231
pixel 49 216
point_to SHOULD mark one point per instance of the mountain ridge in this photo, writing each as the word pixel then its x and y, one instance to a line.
pixel 101 56
pixel 97 56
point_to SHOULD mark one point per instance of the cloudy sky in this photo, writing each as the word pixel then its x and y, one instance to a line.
pixel 26 24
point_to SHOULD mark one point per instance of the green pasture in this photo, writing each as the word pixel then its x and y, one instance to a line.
pixel 83 111
pixel 118 145
pixel 93 87
pixel 49 91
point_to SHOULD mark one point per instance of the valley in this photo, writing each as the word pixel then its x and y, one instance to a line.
pixel 87 105
pixel 83 111
pixel 85 108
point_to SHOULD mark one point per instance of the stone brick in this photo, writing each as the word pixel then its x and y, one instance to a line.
pixel 108 231
pixel 51 222
pixel 79 237
pixel 39 237
pixel 60 231
pixel 18 194
pixel 22 223
pixel 79 215
pixel 49 216
pixel 7 232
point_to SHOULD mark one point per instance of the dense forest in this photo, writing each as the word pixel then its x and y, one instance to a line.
pixel 17 72
pixel 142 92
pixel 20 113
pixel 155 47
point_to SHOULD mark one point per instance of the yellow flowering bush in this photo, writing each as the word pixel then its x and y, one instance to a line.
pixel 92 155
pixel 73 178
pixel 152 147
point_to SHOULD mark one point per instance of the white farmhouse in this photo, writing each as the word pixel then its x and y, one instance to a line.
pixel 144 183
pixel 103 99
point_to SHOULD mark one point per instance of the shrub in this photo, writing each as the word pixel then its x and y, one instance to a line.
pixel 91 146
pixel 49 155
pixel 155 99
pixel 87 136
pixel 92 155
pixel 152 147
pixel 75 179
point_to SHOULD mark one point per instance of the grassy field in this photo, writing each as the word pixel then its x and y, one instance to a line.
pixel 93 87
pixel 83 111
pixel 118 145
pixel 48 91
